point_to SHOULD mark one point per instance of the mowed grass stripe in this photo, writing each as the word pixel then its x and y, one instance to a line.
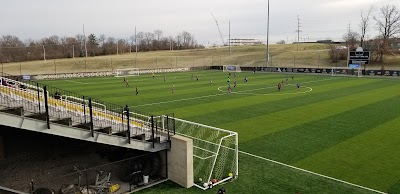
pixel 288 118
pixel 247 109
pixel 249 105
pixel 259 176
pixel 299 142
pixel 374 152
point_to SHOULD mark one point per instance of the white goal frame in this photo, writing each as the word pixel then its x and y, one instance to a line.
pixel 126 72
pixel 346 71
pixel 231 68
pixel 215 153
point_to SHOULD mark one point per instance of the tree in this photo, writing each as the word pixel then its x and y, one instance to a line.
pixel 281 42
pixel 388 25
pixel 149 37
pixel 158 34
pixel 92 44
pixel 364 24
pixel 351 39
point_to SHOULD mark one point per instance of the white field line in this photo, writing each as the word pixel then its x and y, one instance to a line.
pixel 293 167
pixel 207 96
pixel 183 99
pixel 313 173
pixel 75 82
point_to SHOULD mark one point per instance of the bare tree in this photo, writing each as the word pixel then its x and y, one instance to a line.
pixel 388 25
pixel 364 24
pixel 158 34
pixel 351 39
pixel 149 37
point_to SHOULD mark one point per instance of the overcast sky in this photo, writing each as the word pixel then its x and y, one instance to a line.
pixel 319 19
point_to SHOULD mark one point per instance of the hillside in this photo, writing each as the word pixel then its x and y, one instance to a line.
pixel 307 55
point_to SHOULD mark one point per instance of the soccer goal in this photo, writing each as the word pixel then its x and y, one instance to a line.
pixel 126 72
pixel 215 152
pixel 232 68
pixel 346 71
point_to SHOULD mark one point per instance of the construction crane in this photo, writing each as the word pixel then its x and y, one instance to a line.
pixel 222 39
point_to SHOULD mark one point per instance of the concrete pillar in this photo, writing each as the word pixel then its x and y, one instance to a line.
pixel 180 161
pixel 2 148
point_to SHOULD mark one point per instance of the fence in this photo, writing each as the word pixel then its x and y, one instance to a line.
pixel 102 64
pixel 44 102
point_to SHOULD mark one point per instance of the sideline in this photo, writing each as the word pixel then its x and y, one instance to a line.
pixel 310 172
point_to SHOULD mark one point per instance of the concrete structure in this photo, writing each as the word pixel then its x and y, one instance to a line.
pixel 26 123
pixel 180 161
pixel 2 153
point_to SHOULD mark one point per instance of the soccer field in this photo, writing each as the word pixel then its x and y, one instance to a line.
pixel 342 127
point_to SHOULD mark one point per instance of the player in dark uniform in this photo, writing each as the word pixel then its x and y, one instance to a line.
pixel 137 90
pixel 279 87
pixel 298 86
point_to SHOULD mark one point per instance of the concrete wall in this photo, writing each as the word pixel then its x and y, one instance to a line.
pixel 2 148
pixel 180 161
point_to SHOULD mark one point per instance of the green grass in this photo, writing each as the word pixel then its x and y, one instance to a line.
pixel 341 127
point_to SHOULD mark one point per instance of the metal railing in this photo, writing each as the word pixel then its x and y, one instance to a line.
pixel 56 105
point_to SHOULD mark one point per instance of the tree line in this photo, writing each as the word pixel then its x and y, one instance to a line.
pixel 386 20
pixel 13 49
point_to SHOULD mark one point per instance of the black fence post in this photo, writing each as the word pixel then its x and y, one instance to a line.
pixel 38 95
pixel 152 129
pixel 84 108
pixel 173 122
pixel 91 116
pixel 46 106
pixel 128 123
pixel 169 138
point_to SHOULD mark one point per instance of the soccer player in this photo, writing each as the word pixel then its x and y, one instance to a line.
pixel 126 83
pixel 279 87
pixel 229 89
pixel 210 81
pixel 153 74
pixel 292 77
pixel 124 79
pixel 197 78
pixel 234 82
pixel 228 80
pixel 287 80
pixel 234 75
pixel 137 90
pixel 298 86
pixel 173 88
pixel 245 79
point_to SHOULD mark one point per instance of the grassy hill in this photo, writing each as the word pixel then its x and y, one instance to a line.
pixel 289 55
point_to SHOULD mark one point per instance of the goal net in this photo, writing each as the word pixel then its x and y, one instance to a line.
pixel 215 152
pixel 126 72
pixel 346 71
pixel 232 68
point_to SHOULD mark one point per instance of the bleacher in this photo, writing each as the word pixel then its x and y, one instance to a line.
pixel 34 100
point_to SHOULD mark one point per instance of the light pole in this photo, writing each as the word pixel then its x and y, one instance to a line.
pixel 267 57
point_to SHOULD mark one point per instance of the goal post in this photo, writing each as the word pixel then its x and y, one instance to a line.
pixel 126 72
pixel 215 152
pixel 232 68
pixel 346 71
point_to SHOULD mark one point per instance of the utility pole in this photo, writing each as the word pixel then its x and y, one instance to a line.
pixel 267 59
pixel 230 50
pixel 298 32
pixel 73 51
pixel 348 44
pixel 84 36
pixel 44 53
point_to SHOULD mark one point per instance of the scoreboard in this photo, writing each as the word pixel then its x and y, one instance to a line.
pixel 359 56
